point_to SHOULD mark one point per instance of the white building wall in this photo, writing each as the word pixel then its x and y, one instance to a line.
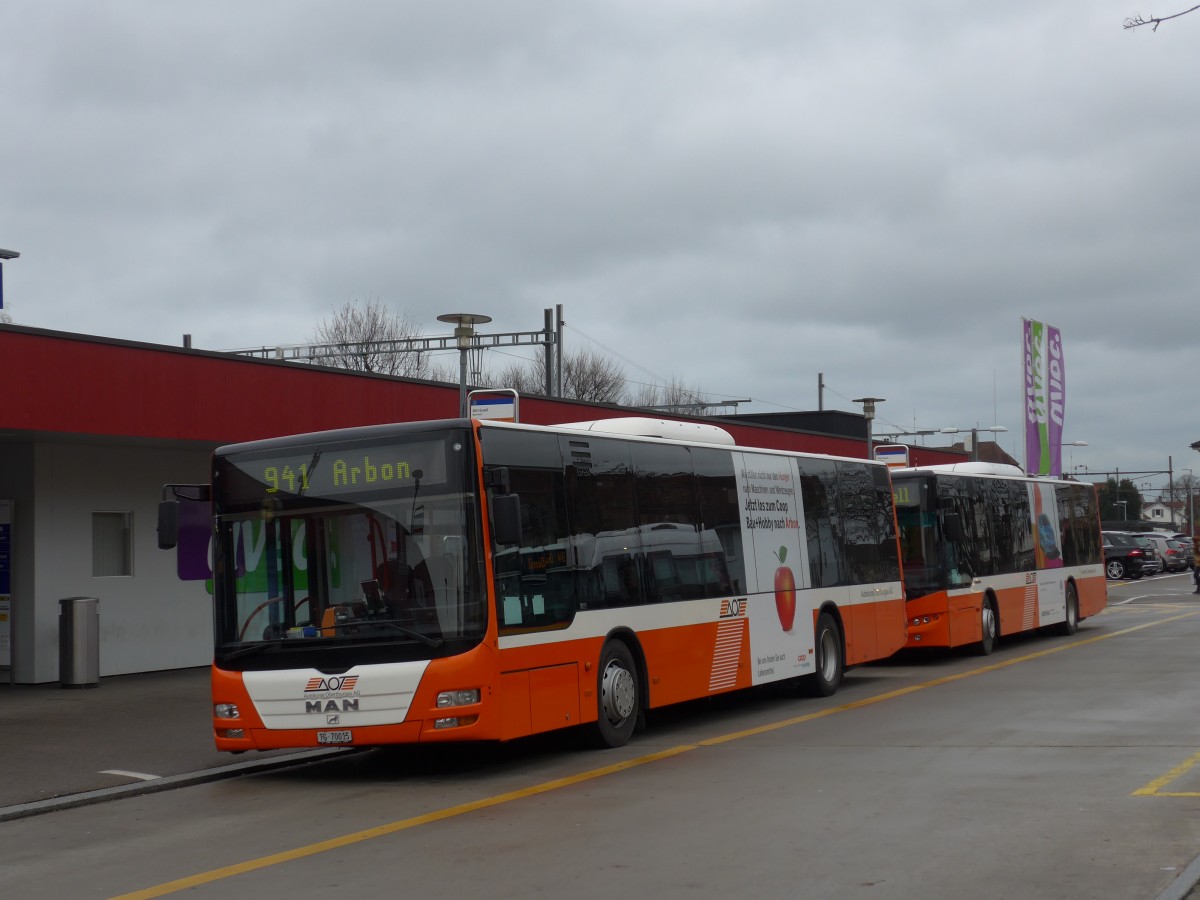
pixel 149 620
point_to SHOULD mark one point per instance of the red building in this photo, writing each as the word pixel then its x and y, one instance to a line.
pixel 91 428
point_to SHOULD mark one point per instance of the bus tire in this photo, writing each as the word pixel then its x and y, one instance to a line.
pixel 989 623
pixel 617 695
pixel 831 665
pixel 1070 625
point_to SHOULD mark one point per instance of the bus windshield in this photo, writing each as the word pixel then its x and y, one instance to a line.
pixel 347 551
pixel 932 559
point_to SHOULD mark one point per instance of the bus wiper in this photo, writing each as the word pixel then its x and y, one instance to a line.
pixel 252 649
pixel 311 465
pixel 426 639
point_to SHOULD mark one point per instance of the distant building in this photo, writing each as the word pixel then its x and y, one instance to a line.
pixel 1165 514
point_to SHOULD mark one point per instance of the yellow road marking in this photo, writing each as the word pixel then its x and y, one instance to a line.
pixel 182 884
pixel 1152 789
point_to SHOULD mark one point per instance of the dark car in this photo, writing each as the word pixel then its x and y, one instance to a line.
pixel 1123 556
pixel 1189 549
pixel 1154 562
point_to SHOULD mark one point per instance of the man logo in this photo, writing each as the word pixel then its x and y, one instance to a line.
pixel 331 706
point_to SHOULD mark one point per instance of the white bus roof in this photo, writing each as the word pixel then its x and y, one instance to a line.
pixel 657 428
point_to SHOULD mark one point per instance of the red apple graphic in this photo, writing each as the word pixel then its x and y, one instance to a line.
pixel 785 592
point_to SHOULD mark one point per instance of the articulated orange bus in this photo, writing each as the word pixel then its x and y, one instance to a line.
pixel 989 552
pixel 474 580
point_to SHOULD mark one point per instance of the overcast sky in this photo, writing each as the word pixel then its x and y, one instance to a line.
pixel 738 196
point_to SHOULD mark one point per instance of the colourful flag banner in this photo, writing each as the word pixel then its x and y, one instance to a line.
pixel 1045 398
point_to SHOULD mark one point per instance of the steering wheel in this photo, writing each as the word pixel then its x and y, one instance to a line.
pixel 264 605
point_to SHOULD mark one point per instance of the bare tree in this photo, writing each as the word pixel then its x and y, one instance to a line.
pixel 526 378
pixel 5 318
pixel 1137 20
pixel 358 328
pixel 586 375
pixel 674 396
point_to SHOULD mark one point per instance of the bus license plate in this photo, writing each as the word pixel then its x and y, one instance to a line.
pixel 333 737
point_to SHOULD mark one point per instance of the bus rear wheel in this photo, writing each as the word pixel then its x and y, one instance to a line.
pixel 830 664
pixel 989 624
pixel 617 694
pixel 1070 624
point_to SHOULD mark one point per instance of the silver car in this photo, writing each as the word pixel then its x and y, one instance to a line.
pixel 1169 551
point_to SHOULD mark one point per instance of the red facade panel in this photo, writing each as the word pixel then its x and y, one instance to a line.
pixel 77 384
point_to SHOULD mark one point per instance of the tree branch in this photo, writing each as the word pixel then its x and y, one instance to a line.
pixel 1136 20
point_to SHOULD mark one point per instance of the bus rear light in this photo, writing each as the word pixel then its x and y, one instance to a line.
pixel 457 698
pixel 226 711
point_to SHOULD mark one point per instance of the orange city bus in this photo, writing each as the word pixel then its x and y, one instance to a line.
pixel 989 552
pixel 475 580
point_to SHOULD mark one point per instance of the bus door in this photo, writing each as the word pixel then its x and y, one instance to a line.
pixel 1047 535
pixel 964 592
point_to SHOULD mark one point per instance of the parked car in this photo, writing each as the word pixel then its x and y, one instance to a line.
pixel 1154 562
pixel 1189 544
pixel 1169 551
pixel 1189 554
pixel 1123 556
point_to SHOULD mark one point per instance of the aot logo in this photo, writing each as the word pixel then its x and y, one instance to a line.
pixel 331 683
pixel 733 609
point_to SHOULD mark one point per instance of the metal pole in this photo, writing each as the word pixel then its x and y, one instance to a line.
pixel 462 378
pixel 558 353
pixel 548 329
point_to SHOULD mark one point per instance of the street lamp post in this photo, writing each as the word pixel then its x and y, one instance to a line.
pixel 1072 457
pixel 869 414
pixel 5 254
pixel 464 331
pixel 995 429
pixel 1191 489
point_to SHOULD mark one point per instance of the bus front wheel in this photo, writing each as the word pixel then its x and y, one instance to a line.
pixel 617 693
pixel 830 663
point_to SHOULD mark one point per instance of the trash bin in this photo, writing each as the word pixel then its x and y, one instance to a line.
pixel 79 642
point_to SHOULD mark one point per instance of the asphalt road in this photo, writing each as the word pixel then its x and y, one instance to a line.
pixel 1055 768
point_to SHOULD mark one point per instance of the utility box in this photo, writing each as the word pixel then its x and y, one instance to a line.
pixel 79 642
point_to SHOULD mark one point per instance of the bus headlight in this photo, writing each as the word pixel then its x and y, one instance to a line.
pixel 226 711
pixel 457 698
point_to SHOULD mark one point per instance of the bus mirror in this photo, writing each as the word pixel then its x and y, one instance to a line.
pixel 953 527
pixel 506 519
pixel 497 478
pixel 168 524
